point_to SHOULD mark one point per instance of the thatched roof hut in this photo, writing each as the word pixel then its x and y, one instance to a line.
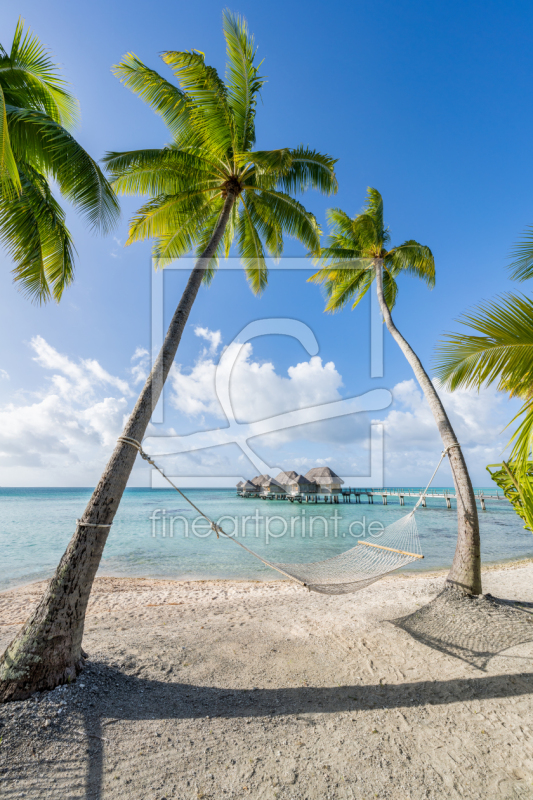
pixel 248 487
pixel 240 485
pixel 326 480
pixel 259 480
pixel 286 477
pixel 272 486
pixel 304 485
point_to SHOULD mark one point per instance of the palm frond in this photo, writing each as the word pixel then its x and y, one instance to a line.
pixel 207 99
pixel 291 216
pixel 9 174
pixel 345 286
pixel 268 226
pixel 160 215
pixel 374 208
pixel 242 78
pixel 32 227
pixel 309 170
pixel 155 172
pixel 502 353
pixel 517 486
pixel 522 440
pixel 31 79
pixel 414 259
pixel 522 264
pixel 167 100
pixel 251 250
pixel 50 148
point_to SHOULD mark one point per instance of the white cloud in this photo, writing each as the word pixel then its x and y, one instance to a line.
pixel 115 252
pixel 4 375
pixel 257 390
pixel 213 337
pixel 140 365
pixel 77 380
pixel 64 433
pixel 413 443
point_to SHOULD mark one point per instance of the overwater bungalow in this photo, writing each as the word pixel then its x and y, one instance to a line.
pixel 248 488
pixel 327 481
pixel 303 485
pixel 295 484
pixel 259 480
pixel 286 479
pixel 272 487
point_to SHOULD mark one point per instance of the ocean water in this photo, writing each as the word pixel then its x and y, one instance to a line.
pixel 36 525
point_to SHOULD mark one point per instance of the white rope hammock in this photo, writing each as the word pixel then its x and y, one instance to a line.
pixel 399 544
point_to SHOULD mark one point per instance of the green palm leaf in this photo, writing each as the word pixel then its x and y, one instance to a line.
pixel 242 79
pixel 31 79
pixel 49 147
pixel 501 352
pixel 9 174
pixel 166 99
pixel 36 147
pixel 210 159
pixel 210 117
pixel 355 246
pixel 522 264
pixel 32 227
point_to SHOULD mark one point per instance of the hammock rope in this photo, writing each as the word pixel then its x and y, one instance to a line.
pixel 367 562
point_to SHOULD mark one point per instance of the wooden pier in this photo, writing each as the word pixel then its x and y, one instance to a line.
pixel 448 495
pixel 384 493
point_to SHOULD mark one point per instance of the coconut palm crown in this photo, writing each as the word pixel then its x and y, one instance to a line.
pixel 210 156
pixel 353 246
pixel 37 111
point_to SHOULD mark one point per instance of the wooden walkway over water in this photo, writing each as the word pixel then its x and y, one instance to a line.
pixel 345 496
pixel 401 493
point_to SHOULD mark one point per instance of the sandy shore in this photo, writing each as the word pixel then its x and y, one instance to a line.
pixel 238 689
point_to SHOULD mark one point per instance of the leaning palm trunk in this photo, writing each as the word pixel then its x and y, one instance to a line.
pixel 47 651
pixel 465 574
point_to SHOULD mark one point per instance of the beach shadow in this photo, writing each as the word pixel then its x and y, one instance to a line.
pixel 143 699
pixel 473 630
pixel 134 698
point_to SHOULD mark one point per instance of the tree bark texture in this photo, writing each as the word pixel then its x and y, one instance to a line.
pixel 465 574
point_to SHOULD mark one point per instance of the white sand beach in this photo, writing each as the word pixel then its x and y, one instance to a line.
pixel 242 689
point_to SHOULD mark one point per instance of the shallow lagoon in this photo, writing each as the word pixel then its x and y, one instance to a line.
pixel 36 525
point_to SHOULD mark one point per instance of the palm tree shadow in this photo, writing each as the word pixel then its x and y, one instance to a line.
pixel 138 699
pixel 472 629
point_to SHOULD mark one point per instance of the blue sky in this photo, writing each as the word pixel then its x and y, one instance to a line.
pixel 429 103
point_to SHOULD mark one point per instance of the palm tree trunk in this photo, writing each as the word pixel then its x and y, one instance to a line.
pixel 47 651
pixel 465 574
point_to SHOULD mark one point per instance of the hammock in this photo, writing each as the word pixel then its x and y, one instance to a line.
pixel 367 562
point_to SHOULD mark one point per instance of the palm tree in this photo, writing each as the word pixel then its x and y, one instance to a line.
pixel 37 111
pixel 208 188
pixel 499 351
pixel 359 253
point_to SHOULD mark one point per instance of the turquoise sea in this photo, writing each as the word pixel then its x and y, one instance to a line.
pixel 36 525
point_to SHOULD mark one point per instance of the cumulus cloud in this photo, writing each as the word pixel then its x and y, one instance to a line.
pixel 412 441
pixel 63 433
pixel 258 392
pixel 4 376
pixel 140 364
pixel 79 380
pixel 213 337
